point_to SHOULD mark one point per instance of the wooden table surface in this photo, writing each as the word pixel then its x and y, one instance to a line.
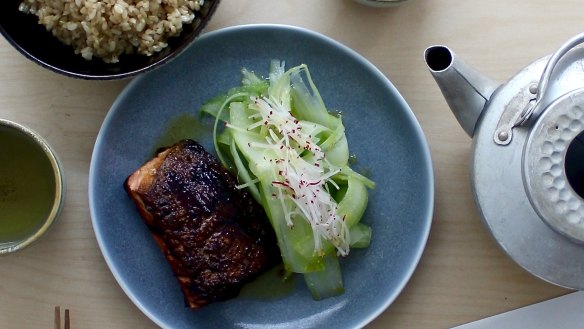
pixel 463 274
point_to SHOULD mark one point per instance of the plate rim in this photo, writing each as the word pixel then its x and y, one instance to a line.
pixel 419 133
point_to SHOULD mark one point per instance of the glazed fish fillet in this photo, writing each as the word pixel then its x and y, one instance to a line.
pixel 215 236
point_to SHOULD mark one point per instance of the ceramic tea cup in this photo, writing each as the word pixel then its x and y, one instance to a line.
pixel 31 186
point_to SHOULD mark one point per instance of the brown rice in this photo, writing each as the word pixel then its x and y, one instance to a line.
pixel 109 28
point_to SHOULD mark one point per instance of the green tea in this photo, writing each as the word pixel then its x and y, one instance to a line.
pixel 27 186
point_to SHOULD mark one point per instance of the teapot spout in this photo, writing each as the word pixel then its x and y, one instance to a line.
pixel 466 90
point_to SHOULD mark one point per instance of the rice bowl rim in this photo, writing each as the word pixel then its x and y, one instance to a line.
pixel 208 10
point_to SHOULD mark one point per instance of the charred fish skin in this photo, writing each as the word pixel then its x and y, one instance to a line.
pixel 214 235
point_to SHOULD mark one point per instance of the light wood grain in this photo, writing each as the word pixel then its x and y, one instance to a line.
pixel 463 275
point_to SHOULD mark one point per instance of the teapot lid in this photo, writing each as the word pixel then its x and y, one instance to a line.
pixel 547 148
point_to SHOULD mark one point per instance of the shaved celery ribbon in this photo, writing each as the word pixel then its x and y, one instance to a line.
pixel 292 155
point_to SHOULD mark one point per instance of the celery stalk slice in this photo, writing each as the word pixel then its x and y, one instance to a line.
pixel 328 282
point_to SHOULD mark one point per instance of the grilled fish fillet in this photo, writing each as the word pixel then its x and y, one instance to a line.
pixel 215 236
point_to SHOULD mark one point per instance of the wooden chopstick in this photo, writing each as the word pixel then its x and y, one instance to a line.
pixel 58 318
pixel 67 320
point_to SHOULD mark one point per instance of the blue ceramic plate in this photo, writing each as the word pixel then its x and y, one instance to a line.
pixel 382 132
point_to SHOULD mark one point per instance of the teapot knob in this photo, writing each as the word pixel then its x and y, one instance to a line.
pixel 503 136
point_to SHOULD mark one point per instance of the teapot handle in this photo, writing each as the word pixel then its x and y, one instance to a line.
pixel 533 106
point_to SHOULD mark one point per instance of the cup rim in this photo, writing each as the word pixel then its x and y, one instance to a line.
pixel 59 187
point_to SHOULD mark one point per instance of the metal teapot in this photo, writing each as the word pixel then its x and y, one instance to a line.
pixel 528 156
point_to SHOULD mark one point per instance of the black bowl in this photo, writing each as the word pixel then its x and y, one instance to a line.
pixel 36 43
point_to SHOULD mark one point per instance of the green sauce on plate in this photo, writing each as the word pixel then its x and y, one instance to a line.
pixel 186 126
pixel 271 285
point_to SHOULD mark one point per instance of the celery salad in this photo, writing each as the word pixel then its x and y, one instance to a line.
pixel 293 157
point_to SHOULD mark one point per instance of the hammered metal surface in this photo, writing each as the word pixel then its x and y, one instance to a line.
pixel 547 185
pixel 499 185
